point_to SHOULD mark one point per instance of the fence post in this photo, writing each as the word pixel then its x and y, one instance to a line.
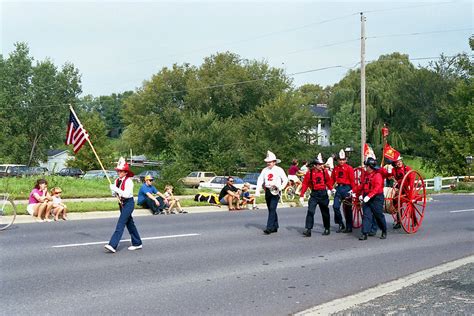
pixel 437 183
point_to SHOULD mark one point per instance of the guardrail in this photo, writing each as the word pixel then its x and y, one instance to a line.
pixel 439 183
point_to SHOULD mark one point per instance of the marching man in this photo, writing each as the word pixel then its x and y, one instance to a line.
pixel 318 180
pixel 343 175
pixel 371 194
pixel 123 188
pixel 273 179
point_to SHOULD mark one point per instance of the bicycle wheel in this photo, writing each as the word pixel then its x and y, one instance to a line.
pixel 7 211
pixel 290 193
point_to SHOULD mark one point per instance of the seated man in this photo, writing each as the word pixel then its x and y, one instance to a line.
pixel 150 198
pixel 230 195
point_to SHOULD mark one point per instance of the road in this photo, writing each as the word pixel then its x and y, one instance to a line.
pixel 216 263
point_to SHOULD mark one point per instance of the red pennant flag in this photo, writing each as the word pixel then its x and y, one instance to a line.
pixel 390 153
pixel 368 152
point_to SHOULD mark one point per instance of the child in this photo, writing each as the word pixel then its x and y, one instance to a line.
pixel 172 201
pixel 59 208
pixel 247 198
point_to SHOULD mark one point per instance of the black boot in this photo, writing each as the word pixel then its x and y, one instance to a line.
pixel 341 228
pixel 326 232
pixel 307 233
pixel 363 237
pixel 397 226
pixel 347 230
pixel 384 235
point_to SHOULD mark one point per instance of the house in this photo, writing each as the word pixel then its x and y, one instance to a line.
pixel 57 159
pixel 321 133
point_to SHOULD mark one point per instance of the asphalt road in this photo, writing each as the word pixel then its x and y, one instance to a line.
pixel 223 266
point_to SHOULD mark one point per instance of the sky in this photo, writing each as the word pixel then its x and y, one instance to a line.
pixel 116 45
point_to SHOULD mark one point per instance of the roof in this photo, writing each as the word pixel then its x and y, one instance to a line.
pixel 55 152
pixel 320 110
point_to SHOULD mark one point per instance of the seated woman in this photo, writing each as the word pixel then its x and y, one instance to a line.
pixel 40 202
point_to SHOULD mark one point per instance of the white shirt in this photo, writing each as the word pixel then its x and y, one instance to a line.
pixel 275 176
pixel 128 189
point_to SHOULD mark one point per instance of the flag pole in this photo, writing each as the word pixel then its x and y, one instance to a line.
pixel 93 149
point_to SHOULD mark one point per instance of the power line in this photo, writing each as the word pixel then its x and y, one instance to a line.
pixel 419 33
pixel 247 81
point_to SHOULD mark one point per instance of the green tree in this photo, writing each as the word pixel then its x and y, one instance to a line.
pixel 34 105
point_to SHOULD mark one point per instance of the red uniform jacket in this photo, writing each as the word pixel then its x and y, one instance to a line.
pixel 372 184
pixel 343 175
pixel 399 173
pixel 316 180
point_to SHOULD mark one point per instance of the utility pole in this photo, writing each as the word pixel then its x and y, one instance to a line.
pixel 362 87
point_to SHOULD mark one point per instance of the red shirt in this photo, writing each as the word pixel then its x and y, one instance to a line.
pixel 372 184
pixel 343 175
pixel 316 180
pixel 400 172
pixel 293 170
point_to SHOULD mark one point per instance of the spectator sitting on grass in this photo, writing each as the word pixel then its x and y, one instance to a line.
pixel 58 208
pixel 39 202
pixel 173 202
pixel 150 198
pixel 230 195
pixel 247 198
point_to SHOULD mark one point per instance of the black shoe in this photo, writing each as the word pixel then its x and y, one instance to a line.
pixel 341 228
pixel 397 226
pixel 384 235
pixel 326 232
pixel 269 231
pixel 347 230
pixel 363 237
pixel 372 234
pixel 307 233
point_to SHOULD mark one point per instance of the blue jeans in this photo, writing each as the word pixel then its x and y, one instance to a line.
pixel 125 219
pixel 319 197
pixel 341 193
pixel 272 203
pixel 373 209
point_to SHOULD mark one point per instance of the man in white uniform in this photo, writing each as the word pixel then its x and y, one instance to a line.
pixel 272 179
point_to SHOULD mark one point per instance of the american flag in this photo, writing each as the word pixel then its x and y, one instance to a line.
pixel 76 134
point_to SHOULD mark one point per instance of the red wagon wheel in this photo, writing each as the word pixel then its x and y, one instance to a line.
pixel 412 201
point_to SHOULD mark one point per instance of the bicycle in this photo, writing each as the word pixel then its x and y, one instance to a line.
pixel 7 211
pixel 292 190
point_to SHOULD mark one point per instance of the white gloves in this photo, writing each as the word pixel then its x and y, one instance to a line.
pixel 301 200
pixel 353 194
pixel 113 188
pixel 257 193
pixel 349 193
pixel 329 193
pixel 333 191
pixel 366 199
pixel 389 168
pixel 361 198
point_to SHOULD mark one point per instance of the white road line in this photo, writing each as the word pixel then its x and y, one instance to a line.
pixel 344 303
pixel 460 211
pixel 104 242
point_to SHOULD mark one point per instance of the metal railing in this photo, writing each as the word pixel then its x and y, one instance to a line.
pixel 446 182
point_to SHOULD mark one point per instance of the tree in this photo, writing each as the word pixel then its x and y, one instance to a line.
pixel 34 105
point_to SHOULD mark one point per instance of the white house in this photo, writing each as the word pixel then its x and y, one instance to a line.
pixel 57 159
pixel 321 133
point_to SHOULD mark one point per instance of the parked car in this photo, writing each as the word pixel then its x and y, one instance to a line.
pixel 195 178
pixel 141 177
pixel 37 171
pixel 6 169
pixel 100 174
pixel 70 172
pixel 218 182
pixel 18 171
pixel 251 178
